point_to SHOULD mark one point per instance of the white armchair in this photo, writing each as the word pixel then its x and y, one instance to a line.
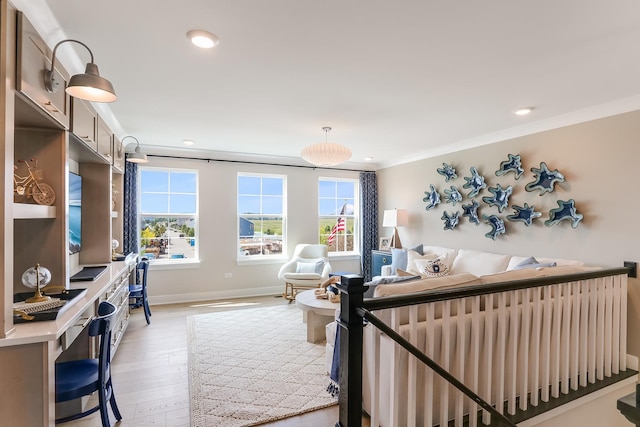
pixel 308 268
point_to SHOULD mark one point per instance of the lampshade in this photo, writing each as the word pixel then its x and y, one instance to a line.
pixel 395 218
pixel 136 156
pixel 88 86
pixel 326 153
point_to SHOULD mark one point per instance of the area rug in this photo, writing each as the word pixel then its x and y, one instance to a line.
pixel 252 366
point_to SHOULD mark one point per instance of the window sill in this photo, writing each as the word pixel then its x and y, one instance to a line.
pixel 174 264
pixel 344 255
pixel 277 259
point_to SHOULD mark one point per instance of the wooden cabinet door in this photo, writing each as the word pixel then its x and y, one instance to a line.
pixel 34 57
pixel 104 139
pixel 83 122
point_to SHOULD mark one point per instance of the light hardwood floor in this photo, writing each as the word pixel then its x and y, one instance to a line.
pixel 150 369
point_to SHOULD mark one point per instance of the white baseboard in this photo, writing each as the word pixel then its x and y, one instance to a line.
pixel 215 295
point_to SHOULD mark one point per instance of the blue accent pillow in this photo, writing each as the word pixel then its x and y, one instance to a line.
pixel 531 262
pixel 399 257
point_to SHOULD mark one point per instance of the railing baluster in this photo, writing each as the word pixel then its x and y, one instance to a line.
pixel 583 350
pixel 615 334
pixel 395 373
pixel 430 349
pixel 546 344
pixel 565 337
pixel 501 350
pixel 461 355
pixel 608 323
pixel 488 350
pixel 412 384
pixel 593 332
pixel 446 359
pixel 475 357
pixel 555 341
pixel 535 346
pixel 512 351
pixel 623 322
pixel 575 335
pixel 524 348
pixel 600 331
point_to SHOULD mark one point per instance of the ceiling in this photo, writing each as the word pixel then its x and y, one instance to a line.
pixel 396 81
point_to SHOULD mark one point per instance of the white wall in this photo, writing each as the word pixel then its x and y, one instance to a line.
pixel 218 234
pixel 600 162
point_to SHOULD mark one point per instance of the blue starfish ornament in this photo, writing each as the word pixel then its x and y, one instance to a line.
pixel 525 214
pixel 475 182
pixel 514 165
pixel 545 180
pixel 564 211
pixel 452 195
pixel 432 198
pixel 450 220
pixel 500 197
pixel 448 172
pixel 471 211
pixel 497 226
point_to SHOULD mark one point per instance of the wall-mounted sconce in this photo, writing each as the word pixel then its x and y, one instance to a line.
pixel 136 156
pixel 89 86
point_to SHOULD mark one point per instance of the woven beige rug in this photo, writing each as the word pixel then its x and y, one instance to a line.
pixel 251 366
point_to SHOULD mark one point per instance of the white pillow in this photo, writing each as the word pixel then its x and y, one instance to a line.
pixel 432 268
pixel 310 267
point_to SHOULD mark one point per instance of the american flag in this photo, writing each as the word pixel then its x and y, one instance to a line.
pixel 340 226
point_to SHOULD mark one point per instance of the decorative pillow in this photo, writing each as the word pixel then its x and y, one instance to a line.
pixel 310 267
pixel 531 262
pixel 432 268
pixel 413 256
pixel 399 257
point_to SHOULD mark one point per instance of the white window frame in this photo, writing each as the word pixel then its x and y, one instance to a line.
pixel 357 232
pixel 241 255
pixel 173 261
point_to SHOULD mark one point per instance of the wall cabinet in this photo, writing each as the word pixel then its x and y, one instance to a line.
pixel 83 123
pixel 33 58
pixel 104 138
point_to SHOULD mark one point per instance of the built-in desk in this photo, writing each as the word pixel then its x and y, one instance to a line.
pixel 28 354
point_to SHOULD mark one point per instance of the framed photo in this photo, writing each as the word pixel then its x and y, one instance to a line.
pixel 385 243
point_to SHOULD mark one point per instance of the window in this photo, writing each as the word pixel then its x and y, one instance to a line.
pixel 168 213
pixel 261 219
pixel 338 205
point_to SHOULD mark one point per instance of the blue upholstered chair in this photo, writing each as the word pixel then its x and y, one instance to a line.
pixel 138 290
pixel 78 378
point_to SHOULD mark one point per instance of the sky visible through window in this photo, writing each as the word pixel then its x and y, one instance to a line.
pixel 168 192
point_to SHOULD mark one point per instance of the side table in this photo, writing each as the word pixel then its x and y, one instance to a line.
pixel 318 312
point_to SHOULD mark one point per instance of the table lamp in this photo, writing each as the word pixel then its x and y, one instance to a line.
pixel 395 218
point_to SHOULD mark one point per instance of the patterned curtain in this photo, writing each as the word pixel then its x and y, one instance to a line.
pixel 369 220
pixel 130 216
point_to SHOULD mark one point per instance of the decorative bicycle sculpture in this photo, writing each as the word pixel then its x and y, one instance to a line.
pixel 31 185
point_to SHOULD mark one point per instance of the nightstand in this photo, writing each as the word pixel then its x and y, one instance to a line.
pixel 378 259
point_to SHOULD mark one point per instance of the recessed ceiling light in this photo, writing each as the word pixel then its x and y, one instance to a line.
pixel 368 159
pixel 203 39
pixel 523 111
pixel 188 142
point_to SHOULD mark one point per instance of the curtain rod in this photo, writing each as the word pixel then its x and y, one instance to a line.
pixel 256 163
